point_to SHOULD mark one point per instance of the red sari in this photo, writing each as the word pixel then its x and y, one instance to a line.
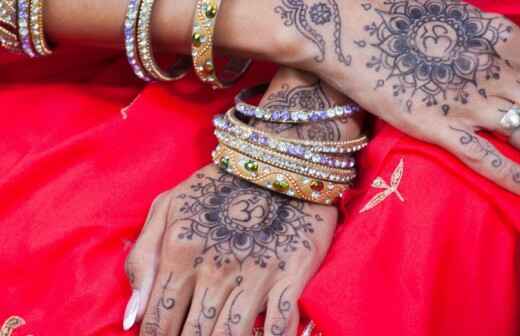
pixel 437 255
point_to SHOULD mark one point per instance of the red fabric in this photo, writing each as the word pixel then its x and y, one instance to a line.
pixel 77 179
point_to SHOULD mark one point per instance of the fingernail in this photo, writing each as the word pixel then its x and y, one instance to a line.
pixel 132 308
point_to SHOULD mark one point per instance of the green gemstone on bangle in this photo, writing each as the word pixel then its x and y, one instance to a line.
pixel 197 39
pixel 224 162
pixel 211 11
pixel 251 166
pixel 281 185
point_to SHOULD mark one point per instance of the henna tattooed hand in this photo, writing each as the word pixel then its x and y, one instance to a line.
pixel 439 70
pixel 216 251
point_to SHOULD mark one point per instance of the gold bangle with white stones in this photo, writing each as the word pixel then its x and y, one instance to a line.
pixel 287 162
pixel 37 29
pixel 273 178
pixel 9 25
pixel 144 48
pixel 206 12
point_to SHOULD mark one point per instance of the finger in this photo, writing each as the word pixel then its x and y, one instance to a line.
pixel 240 312
pixel 508 49
pixel 169 302
pixel 282 312
pixel 489 116
pixel 515 138
pixel 206 305
pixel 481 156
pixel 141 263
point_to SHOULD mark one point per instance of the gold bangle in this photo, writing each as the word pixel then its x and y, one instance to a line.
pixel 287 162
pixel 144 48
pixel 331 147
pixel 273 178
pixel 24 26
pixel 8 26
pixel 206 12
pixel 37 30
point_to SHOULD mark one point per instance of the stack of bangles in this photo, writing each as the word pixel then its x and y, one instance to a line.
pixel 22 30
pixel 313 171
pixel 21 27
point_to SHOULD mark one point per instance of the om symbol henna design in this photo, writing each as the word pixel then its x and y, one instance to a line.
pixel 239 222
pixel 312 21
pixel 436 48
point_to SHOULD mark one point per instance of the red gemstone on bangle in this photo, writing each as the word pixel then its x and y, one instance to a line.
pixel 317 185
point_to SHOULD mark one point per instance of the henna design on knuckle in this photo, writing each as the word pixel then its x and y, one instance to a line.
pixel 284 307
pixel 164 303
pixel 311 17
pixel 436 49
pixel 205 313
pixel 240 222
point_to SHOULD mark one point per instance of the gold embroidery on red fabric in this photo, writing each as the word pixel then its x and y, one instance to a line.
pixel 380 183
pixel 10 325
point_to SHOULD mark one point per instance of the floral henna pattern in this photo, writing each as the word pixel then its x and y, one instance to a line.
pixel 312 21
pixel 239 222
pixel 435 48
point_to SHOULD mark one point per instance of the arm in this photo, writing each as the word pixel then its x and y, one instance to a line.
pixel 438 71
pixel 230 249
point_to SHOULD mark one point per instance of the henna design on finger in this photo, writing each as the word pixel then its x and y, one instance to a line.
pixel 163 303
pixel 437 48
pixel 484 147
pixel 232 317
pixel 240 222
pixel 284 307
pixel 205 313
pixel 311 18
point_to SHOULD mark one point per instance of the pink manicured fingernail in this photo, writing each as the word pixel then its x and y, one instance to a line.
pixel 132 308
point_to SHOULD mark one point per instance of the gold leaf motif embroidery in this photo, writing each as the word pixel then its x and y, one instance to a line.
pixel 10 325
pixel 380 183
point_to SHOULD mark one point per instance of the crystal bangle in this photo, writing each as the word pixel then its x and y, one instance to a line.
pixel 285 147
pixel 24 33
pixel 287 162
pixel 8 26
pixel 206 12
pixel 273 178
pixel 37 30
pixel 287 116
pixel 230 121
pixel 144 48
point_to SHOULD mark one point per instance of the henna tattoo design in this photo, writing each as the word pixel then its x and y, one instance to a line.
pixel 487 149
pixel 436 48
pixel 284 307
pixel 306 97
pixel 164 303
pixel 238 221
pixel 310 19
pixel 232 318
pixel 206 313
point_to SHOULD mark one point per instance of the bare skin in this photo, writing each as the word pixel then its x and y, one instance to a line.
pixel 245 250
pixel 439 71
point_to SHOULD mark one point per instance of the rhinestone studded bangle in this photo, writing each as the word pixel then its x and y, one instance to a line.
pixel 230 121
pixel 9 26
pixel 24 7
pixel 37 31
pixel 206 12
pixel 287 116
pixel 287 162
pixel 270 177
pixel 138 45
pixel 144 47
pixel 130 31
pixel 284 147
